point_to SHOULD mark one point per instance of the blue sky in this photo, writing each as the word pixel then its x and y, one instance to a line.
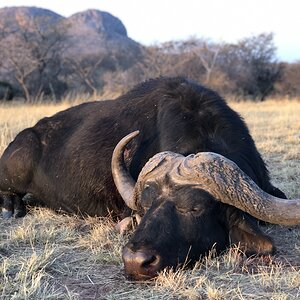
pixel 221 20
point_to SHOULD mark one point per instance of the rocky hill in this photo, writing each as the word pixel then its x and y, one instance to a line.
pixel 88 32
pixel 14 19
pixel 75 52
pixel 94 31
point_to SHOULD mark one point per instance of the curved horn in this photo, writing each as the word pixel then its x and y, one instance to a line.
pixel 123 181
pixel 223 179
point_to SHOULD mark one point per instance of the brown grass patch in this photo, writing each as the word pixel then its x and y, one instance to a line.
pixel 52 256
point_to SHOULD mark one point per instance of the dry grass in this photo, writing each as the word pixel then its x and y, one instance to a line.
pixel 275 127
pixel 50 256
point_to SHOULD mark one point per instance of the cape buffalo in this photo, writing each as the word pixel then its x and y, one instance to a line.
pixel 64 161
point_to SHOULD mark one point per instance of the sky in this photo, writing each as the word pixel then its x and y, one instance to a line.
pixel 155 21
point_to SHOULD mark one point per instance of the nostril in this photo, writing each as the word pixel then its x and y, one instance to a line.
pixel 151 260
pixel 141 263
pixel 144 259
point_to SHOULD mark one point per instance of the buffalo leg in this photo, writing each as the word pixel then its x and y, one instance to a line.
pixel 7 206
pixel 12 205
pixel 17 167
pixel 19 207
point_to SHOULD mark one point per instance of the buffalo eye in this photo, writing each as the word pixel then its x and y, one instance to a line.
pixel 194 201
pixel 195 210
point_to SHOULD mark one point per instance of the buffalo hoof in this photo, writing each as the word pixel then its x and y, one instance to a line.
pixel 6 214
pixel 128 223
pixel 124 225
pixel 20 213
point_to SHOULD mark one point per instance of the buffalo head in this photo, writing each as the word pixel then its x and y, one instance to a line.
pixel 191 205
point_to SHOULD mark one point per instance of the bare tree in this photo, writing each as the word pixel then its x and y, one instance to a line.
pixel 205 51
pixel 156 61
pixel 85 70
pixel 252 65
pixel 289 83
pixel 248 68
pixel 31 57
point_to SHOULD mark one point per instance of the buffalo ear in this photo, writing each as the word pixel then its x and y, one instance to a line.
pixel 276 192
pixel 245 233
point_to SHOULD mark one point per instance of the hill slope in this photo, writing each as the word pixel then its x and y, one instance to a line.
pixel 45 53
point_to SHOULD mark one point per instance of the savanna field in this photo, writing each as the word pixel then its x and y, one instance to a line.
pixel 46 255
